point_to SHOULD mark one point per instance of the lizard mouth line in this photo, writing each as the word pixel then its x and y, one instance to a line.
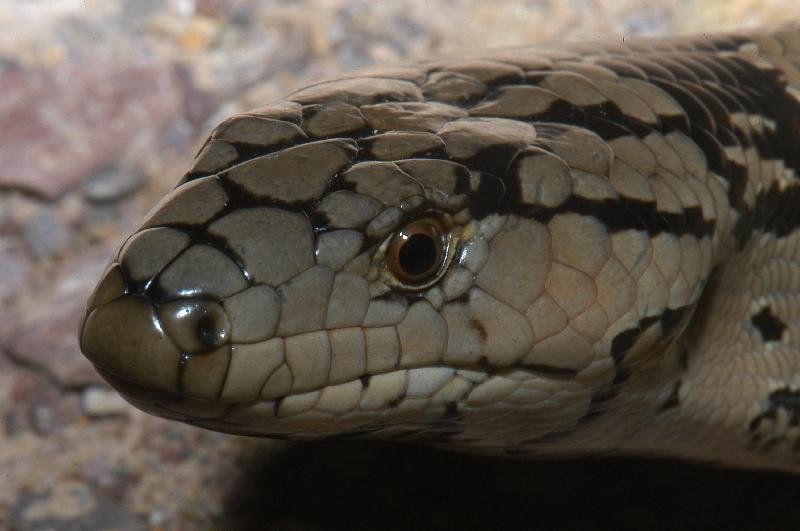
pixel 377 393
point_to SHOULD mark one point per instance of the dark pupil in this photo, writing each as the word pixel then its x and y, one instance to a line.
pixel 418 255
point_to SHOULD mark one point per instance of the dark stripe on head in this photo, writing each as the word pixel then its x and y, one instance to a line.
pixel 670 320
pixel 776 212
pixel 616 214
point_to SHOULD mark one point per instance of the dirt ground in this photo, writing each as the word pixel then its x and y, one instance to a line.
pixel 102 105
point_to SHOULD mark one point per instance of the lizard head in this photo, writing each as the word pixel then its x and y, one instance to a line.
pixel 328 268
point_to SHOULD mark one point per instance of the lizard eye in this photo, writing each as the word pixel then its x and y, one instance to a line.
pixel 416 253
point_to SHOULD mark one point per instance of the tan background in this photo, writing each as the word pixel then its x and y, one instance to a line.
pixel 102 103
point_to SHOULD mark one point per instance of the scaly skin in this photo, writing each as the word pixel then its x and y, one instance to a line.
pixel 614 266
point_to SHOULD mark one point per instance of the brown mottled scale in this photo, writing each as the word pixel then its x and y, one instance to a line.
pixel 607 235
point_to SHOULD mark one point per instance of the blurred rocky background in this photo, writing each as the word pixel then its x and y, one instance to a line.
pixel 102 105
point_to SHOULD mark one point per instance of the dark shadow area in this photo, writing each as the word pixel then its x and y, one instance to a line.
pixel 349 485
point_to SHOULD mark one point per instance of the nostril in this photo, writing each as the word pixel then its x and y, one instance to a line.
pixel 195 325
pixel 210 331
